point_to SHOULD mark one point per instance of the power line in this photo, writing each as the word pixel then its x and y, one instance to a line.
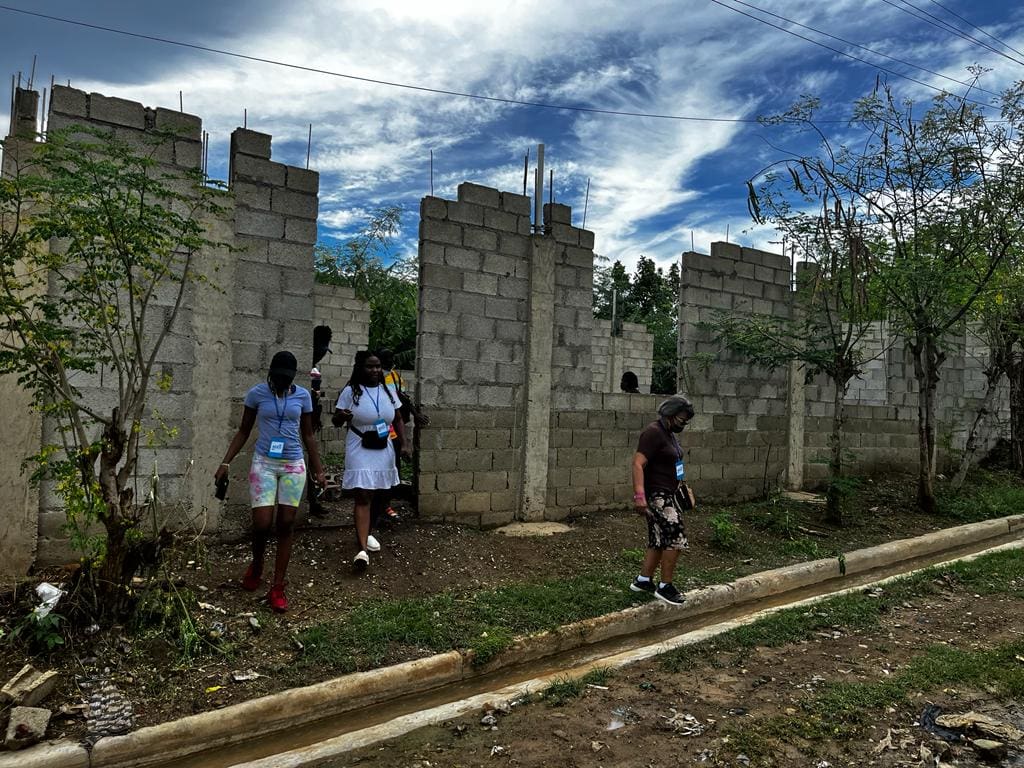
pixel 391 84
pixel 865 48
pixel 938 23
pixel 836 50
pixel 953 13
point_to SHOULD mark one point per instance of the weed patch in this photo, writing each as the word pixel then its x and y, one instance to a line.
pixel 561 692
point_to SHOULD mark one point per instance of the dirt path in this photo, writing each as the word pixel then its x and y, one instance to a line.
pixel 747 707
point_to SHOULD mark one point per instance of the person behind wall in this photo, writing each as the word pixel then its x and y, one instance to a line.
pixel 370 408
pixel 283 415
pixel 661 496
pixel 380 504
pixel 629 383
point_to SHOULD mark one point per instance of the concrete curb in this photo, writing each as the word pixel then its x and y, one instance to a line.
pixel 160 743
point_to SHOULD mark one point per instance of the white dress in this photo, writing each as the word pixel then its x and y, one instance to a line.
pixel 367 468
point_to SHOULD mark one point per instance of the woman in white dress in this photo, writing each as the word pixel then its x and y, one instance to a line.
pixel 370 408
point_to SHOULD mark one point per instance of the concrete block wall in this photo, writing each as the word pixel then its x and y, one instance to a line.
pixel 261 300
pixel 740 431
pixel 471 348
pixel 611 356
pixel 573 331
pixel 177 405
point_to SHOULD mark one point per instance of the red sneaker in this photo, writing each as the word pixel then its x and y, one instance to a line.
pixel 276 598
pixel 251 581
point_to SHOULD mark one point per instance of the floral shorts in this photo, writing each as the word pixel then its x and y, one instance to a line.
pixel 665 527
pixel 276 481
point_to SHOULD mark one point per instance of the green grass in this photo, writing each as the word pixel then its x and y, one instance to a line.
pixel 565 690
pixel 987 494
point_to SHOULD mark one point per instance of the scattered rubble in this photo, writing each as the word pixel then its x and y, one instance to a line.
pixel 29 687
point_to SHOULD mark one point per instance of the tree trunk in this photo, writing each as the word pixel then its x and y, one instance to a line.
pixel 979 429
pixel 927 360
pixel 833 497
pixel 1016 376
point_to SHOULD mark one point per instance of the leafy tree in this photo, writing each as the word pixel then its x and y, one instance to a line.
pixel 931 191
pixel 648 297
pixel 98 248
pixel 389 289
pixel 835 311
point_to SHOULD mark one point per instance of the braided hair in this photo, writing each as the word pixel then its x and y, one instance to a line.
pixel 357 373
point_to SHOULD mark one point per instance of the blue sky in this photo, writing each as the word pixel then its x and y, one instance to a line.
pixel 652 181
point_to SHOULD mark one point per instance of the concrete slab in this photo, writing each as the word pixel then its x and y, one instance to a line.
pixel 807 498
pixel 533 529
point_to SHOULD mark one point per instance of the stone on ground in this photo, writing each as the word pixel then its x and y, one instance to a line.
pixel 533 529
pixel 28 687
pixel 27 726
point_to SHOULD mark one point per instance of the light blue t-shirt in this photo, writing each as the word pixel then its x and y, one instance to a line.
pixel 278 417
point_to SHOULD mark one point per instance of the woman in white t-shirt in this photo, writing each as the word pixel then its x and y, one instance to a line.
pixel 370 408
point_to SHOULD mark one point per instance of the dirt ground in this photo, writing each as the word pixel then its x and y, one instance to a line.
pixel 649 718
pixel 417 559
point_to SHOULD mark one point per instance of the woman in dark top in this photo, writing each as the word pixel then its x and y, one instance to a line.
pixel 660 495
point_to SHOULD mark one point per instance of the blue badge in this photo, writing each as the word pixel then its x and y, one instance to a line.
pixel 680 470
pixel 276 448
pixel 382 427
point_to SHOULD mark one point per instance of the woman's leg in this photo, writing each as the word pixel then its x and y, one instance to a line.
pixel 668 564
pixel 362 516
pixel 261 520
pixel 285 537
pixel 379 501
pixel 651 559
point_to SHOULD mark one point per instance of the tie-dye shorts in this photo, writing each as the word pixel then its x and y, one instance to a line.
pixel 276 481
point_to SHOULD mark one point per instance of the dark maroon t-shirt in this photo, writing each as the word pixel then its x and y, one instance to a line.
pixel 657 445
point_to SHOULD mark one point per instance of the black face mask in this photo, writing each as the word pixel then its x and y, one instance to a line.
pixel 280 383
pixel 677 428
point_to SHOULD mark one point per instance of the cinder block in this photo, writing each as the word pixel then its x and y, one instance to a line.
pixel 452 482
pixel 181 124
pixel 497 396
pixel 521 205
pixel 466 213
pixel 110 109
pixel 513 287
pixel 249 168
pixel 586 239
pixel 490 481
pixel 302 180
pixel 433 208
pixel 300 230
pixel 501 502
pixel 259 223
pixel 188 154
pixel 69 101
pixel 462 258
pixel 435 505
pixel 292 203
pixel 445 232
pixel 474 502
pixel 480 239
pixel 502 309
pixel 495 219
pixel 570 497
pixel 247 142
pixel 514 245
pixel 475 193
pixel 563 233
pixel 556 213
pixel 252 195
pixel 497 264
pixel 475 282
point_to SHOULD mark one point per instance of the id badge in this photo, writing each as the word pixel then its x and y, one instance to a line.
pixel 382 428
pixel 276 448
pixel 680 470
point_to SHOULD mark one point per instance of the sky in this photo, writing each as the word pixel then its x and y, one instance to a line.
pixel 656 184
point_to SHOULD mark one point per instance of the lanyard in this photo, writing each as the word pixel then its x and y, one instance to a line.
pixel 675 442
pixel 375 401
pixel 282 413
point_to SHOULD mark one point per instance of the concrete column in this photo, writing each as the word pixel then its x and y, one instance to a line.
pixel 536 421
pixel 795 428
pixel 24 123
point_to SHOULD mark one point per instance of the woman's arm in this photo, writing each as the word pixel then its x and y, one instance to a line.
pixel 639 496
pixel 238 441
pixel 400 431
pixel 306 428
pixel 341 417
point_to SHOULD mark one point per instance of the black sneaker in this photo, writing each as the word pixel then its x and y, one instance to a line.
pixel 670 595
pixel 643 586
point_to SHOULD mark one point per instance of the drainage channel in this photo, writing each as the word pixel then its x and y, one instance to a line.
pixel 443 700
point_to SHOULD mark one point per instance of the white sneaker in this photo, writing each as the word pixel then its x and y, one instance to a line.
pixel 360 561
pixel 372 545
